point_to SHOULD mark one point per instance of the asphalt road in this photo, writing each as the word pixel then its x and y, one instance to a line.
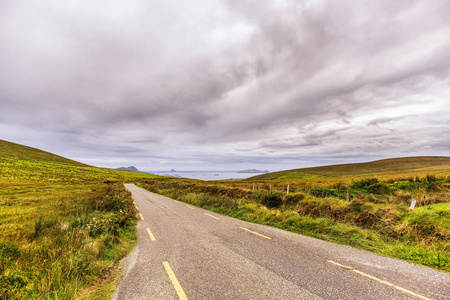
pixel 185 252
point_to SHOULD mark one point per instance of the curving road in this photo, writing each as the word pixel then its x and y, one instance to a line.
pixel 185 252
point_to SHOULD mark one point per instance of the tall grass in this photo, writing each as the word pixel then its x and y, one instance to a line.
pixel 26 170
pixel 57 241
pixel 376 217
pixel 421 164
pixel 63 228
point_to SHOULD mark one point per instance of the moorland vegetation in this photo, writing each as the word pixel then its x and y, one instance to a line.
pixel 64 225
pixel 365 210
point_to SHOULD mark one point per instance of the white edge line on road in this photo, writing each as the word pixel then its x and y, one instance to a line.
pixel 254 232
pixel 381 281
pixel 212 216
pixel 152 237
pixel 142 217
pixel 189 206
pixel 175 282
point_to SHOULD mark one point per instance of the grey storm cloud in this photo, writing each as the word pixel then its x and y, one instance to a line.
pixel 213 83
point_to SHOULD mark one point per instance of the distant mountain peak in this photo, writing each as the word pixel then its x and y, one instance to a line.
pixel 130 168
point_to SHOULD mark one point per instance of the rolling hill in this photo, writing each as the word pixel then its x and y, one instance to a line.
pixel 64 225
pixel 13 150
pixel 18 162
pixel 375 167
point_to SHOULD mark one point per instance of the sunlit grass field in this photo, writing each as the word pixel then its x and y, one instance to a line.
pixel 363 210
pixel 19 169
pixel 64 225
pixel 13 150
pixel 58 241
pixel 381 168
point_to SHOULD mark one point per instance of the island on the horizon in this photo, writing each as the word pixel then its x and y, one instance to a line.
pixel 130 168
pixel 253 171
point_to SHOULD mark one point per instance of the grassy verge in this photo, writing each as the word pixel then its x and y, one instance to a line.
pixel 62 241
pixel 53 172
pixel 385 167
pixel 63 225
pixel 378 223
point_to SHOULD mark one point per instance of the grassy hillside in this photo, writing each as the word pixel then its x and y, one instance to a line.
pixel 364 205
pixel 19 162
pixel 63 225
pixel 12 150
pixel 421 164
pixel 367 213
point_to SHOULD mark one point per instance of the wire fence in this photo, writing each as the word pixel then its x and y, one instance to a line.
pixel 427 199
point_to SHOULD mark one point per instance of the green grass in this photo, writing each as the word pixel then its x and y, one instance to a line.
pixel 56 241
pixel 381 223
pixel 19 169
pixel 422 164
pixel 440 213
pixel 299 175
pixel 64 225
pixel 12 150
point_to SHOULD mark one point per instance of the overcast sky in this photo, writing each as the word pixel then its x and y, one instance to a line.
pixel 206 84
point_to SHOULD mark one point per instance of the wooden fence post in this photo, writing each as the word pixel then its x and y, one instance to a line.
pixel 287 190
pixel 413 204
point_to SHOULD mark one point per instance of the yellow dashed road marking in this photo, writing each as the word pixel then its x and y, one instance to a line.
pixel 150 234
pixel 175 282
pixel 381 281
pixel 338 264
pixel 142 217
pixel 254 232
pixel 211 216
pixel 190 207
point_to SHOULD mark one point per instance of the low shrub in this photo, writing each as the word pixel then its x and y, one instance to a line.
pixel 377 217
pixel 272 200
pixel 9 250
pixel 371 186
pixel 323 192
pixel 62 249
pixel 364 183
pixel 293 199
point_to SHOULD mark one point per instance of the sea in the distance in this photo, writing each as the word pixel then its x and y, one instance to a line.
pixel 205 175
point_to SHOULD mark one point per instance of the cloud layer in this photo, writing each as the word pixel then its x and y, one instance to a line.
pixel 226 84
